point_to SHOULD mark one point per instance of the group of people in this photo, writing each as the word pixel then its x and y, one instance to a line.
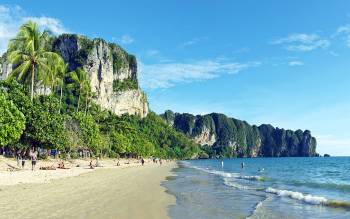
pixel 156 160
pixel 97 163
pixel 33 154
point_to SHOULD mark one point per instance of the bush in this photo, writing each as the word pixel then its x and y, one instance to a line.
pixel 12 121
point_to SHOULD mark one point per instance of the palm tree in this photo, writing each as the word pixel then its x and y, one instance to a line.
pixel 80 77
pixel 62 71
pixel 56 69
pixel 55 76
pixel 27 52
pixel 88 96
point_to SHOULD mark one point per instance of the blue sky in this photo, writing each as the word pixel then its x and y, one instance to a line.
pixel 279 62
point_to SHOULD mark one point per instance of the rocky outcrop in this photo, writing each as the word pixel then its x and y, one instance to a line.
pixel 5 67
pixel 231 137
pixel 105 64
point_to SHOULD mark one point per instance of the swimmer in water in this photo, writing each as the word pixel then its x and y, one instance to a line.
pixel 222 163
pixel 242 165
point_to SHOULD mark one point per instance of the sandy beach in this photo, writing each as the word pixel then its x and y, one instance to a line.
pixel 126 191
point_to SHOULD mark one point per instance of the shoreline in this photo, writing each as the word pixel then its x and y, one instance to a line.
pixel 128 191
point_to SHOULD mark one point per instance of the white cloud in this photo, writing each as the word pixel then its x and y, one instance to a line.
pixel 11 18
pixel 296 63
pixel 126 39
pixel 166 75
pixel 52 24
pixel 344 31
pixel 9 23
pixel 302 42
pixel 193 41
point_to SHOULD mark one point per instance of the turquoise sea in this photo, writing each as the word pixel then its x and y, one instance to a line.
pixel 317 187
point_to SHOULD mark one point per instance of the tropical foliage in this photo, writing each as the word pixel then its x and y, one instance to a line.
pixel 65 118
pixel 12 121
pixel 27 52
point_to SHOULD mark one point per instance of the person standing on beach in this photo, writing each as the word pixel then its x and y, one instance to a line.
pixel 18 158
pixel 34 157
pixel 142 161
pixel 23 161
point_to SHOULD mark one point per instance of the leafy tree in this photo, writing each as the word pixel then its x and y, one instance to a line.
pixel 12 121
pixel 28 54
pixel 120 143
pixel 81 79
pixel 45 126
pixel 90 131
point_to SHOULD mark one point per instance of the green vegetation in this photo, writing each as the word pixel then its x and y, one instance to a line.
pixel 12 121
pixel 103 132
pixel 82 82
pixel 126 84
pixel 121 59
pixel 61 121
pixel 27 52
pixel 236 138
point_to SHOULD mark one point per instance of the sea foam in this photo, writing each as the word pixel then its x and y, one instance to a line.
pixel 256 178
pixel 310 199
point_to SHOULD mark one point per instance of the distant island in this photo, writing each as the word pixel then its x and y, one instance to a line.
pixel 72 93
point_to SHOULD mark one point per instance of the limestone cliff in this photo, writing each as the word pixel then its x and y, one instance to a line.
pixel 107 65
pixel 112 72
pixel 5 67
pixel 232 137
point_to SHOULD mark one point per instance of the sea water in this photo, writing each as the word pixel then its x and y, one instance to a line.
pixel 317 187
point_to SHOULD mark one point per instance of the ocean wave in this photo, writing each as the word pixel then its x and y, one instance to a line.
pixel 226 174
pixel 333 186
pixel 256 209
pixel 255 178
pixel 230 183
pixel 215 172
pixel 310 199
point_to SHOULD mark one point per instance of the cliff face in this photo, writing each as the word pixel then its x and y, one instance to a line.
pixel 231 137
pixel 107 65
pixel 112 72
pixel 5 67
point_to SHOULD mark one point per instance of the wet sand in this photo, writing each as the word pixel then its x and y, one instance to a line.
pixel 128 192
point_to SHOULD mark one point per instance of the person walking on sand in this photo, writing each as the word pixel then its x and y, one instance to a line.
pixel 142 161
pixel 18 158
pixel 34 156
pixel 23 161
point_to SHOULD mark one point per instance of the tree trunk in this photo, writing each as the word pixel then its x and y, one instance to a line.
pixel 59 110
pixel 78 102
pixel 32 88
pixel 86 103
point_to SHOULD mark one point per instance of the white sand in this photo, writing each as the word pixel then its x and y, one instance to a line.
pixel 26 175
pixel 130 191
